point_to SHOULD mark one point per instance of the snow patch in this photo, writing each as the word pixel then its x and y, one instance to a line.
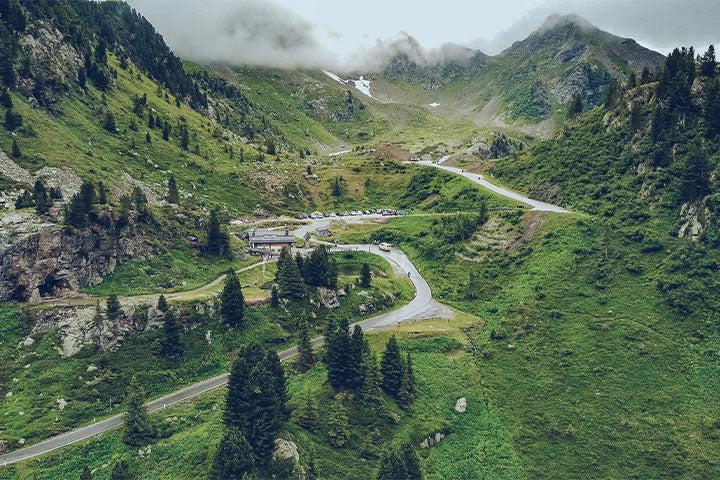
pixel 362 85
pixel 434 104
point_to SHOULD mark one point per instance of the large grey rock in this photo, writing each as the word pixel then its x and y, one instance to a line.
pixel 328 298
pixel 285 449
pixel 461 405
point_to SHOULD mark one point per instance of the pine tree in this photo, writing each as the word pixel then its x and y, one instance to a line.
pixel 13 120
pixel 410 373
pixel 218 243
pixel 85 475
pixel 162 304
pixel 101 194
pixel 5 98
pixel 109 122
pixel 358 347
pixel 321 269
pixel 137 430
pixel 148 139
pixel 371 390
pixel 7 56
pixel 338 354
pixel 695 175
pixel 306 356
pixel 274 297
pixel 237 405
pixel 391 366
pixel 338 425
pixel 15 151
pixel 632 80
pixel 412 463
pixel 40 198
pixel 405 394
pixel 113 309
pixel 576 107
pixel 711 111
pixel 365 276
pixel 277 375
pixel 234 458
pixel 166 131
pixel 173 196
pixel 232 301
pixel 171 345
pixel 122 471
pixel 392 466
pixel 267 415
pixel 300 261
pixel 708 64
pixel 289 282
pixel 184 138
pixel 307 413
pixel 646 76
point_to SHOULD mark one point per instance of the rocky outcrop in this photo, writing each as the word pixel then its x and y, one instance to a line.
pixel 328 298
pixel 461 405
pixel 694 219
pixel 432 440
pixel 285 450
pixel 40 259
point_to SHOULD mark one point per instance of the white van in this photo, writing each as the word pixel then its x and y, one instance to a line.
pixel 385 247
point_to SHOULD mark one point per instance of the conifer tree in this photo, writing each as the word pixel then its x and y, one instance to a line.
pixel 307 413
pixel 695 176
pixel 13 120
pixel 148 138
pixel 151 121
pixel 237 406
pixel 338 354
pixel 711 112
pixel 5 98
pixel 646 76
pixel 137 429
pixel 101 194
pixel 391 366
pixel 122 471
pixel 277 375
pixel 320 269
pixel 306 356
pixel 166 131
pixel 392 466
pixel 109 122
pixel 218 243
pixel 173 196
pixel 85 475
pixel 234 458
pixel 274 297
pixel 405 394
pixel 365 276
pixel 184 138
pixel 371 390
pixel 632 80
pixel 708 64
pixel 113 309
pixel 40 198
pixel 338 425
pixel 412 463
pixel 162 304
pixel 15 151
pixel 358 348
pixel 289 282
pixel 576 107
pixel 300 261
pixel 171 344
pixel 232 301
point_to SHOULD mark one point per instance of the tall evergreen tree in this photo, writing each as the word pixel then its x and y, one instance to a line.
pixel 173 196
pixel 307 413
pixel 412 463
pixel 232 301
pixel 85 475
pixel 13 120
pixel 289 282
pixel 40 197
pixel 632 80
pixel 365 276
pixel 277 375
pixel 708 64
pixel 406 394
pixel 237 406
pixel 274 297
pixel 101 194
pixel 122 471
pixel 371 390
pixel 576 107
pixel 338 354
pixel 306 356
pixel 711 111
pixel 171 344
pixel 695 175
pixel 338 425
pixel 234 458
pixel 162 304
pixel 218 242
pixel 391 366
pixel 137 429
pixel 113 309
pixel 184 138
pixel 109 122
pixel 392 466
pixel 358 348
pixel 15 151
pixel 321 270
pixel 5 98
pixel 7 56
pixel 645 76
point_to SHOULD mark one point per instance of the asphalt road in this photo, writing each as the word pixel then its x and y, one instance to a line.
pixel 421 307
pixel 480 180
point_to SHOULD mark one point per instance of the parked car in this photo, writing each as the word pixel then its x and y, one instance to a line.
pixel 401 213
pixel 385 247
pixel 300 216
pixel 316 215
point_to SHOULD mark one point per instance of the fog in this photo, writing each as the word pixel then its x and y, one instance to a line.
pixel 362 35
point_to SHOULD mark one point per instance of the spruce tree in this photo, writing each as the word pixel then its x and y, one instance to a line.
pixel 101 194
pixel 166 131
pixel 711 111
pixel 371 390
pixel 40 198
pixel 171 344
pixel 391 366
pixel 392 466
pixel 5 98
pixel 85 475
pixel 218 243
pixel 267 415
pixel 173 196
pixel 338 354
pixel 277 376
pixel 109 122
pixel 338 425
pixel 113 309
pixel 405 395
pixel 412 462
pixel 162 304
pixel 184 138
pixel 13 120
pixel 646 76
pixel 148 138
pixel 234 458
pixel 137 429
pixel 307 413
pixel 274 297
pixel 15 151
pixel 122 471
pixel 632 80
pixel 708 64
pixel 576 107
pixel 320 269
pixel 232 301
pixel 237 405
pixel 358 347
pixel 289 282
pixel 695 175
pixel 365 276
pixel 306 356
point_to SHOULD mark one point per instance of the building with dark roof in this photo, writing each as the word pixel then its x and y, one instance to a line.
pixel 269 241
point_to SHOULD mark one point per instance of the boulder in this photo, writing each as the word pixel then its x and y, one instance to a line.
pixel 328 298
pixel 3 446
pixel 461 405
pixel 432 440
pixel 28 342
pixel 61 403
pixel 285 449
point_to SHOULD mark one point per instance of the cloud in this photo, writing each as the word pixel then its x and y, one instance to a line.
pixel 237 32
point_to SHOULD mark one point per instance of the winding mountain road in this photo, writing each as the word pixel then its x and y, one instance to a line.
pixel 421 307
pixel 480 180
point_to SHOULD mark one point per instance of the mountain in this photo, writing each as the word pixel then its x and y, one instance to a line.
pixel 527 82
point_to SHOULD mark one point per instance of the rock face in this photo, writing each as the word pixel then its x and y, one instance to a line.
pixel 40 259
pixel 461 405
pixel 285 449
pixel 432 440
pixel 328 298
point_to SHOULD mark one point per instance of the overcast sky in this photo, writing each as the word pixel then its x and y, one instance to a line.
pixel 335 32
